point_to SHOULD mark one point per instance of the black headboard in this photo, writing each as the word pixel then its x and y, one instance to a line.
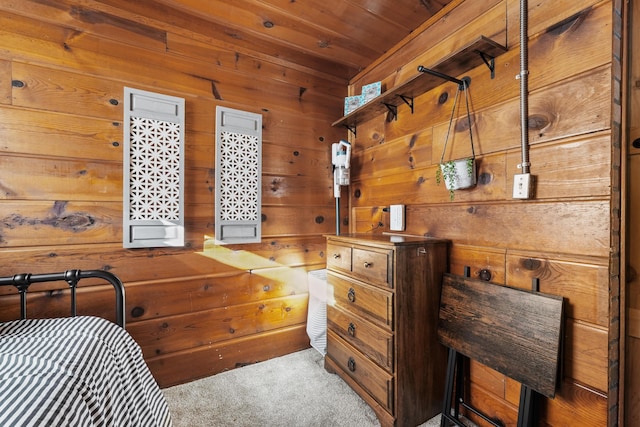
pixel 72 277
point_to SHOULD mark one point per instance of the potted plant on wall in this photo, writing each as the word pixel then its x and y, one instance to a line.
pixel 461 173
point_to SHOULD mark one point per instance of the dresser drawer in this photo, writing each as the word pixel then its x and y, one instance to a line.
pixel 371 340
pixel 339 257
pixel 375 380
pixel 375 266
pixel 370 302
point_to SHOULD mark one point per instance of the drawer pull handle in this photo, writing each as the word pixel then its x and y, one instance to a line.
pixel 367 264
pixel 351 295
pixel 336 256
pixel 352 329
pixel 351 364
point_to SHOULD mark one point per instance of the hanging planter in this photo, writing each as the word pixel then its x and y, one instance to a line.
pixel 460 173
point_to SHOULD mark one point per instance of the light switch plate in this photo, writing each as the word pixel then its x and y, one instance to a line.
pixel 522 184
pixel 397 217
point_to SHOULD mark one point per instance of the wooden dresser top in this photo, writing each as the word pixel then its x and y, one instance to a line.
pixel 384 239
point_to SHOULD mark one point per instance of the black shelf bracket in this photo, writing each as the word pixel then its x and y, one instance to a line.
pixel 460 83
pixel 490 62
pixel 407 100
pixel 351 129
pixel 393 110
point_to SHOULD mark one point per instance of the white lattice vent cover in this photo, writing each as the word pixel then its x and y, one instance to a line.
pixel 238 176
pixel 153 168
pixel 239 179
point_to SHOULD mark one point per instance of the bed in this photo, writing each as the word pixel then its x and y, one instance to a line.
pixel 76 370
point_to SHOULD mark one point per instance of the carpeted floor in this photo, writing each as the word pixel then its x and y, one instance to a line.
pixel 293 390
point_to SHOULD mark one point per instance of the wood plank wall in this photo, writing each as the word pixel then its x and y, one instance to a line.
pixel 632 342
pixel 195 312
pixel 563 235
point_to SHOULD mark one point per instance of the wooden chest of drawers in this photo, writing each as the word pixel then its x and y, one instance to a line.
pixel 382 314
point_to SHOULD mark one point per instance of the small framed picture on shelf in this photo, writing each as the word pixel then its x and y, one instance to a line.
pixel 351 103
pixel 371 91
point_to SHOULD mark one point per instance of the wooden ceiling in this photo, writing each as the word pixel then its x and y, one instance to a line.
pixel 338 37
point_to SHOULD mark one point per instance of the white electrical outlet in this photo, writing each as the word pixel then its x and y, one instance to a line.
pixel 397 217
pixel 522 185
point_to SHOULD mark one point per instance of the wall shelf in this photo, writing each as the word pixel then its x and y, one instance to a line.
pixel 481 50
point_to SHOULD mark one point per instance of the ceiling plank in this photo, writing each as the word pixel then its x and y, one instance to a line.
pixel 351 32
pixel 251 17
pixel 157 14
pixel 336 38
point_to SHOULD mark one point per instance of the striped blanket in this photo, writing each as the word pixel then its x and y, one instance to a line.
pixel 77 371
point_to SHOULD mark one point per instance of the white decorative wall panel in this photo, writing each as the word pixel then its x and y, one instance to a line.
pixel 153 169
pixel 238 176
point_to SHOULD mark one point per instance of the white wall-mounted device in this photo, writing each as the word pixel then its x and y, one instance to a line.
pixel 396 213
pixel 341 159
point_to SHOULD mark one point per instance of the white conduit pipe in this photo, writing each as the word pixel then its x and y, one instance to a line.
pixel 524 84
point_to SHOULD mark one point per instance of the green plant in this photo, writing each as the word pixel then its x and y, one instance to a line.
pixel 470 166
pixel 448 172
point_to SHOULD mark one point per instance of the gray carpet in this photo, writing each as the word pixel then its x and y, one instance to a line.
pixel 293 390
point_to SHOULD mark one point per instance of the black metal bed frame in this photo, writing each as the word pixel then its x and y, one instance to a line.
pixel 72 277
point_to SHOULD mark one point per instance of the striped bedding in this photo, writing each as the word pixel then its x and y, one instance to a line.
pixel 76 371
